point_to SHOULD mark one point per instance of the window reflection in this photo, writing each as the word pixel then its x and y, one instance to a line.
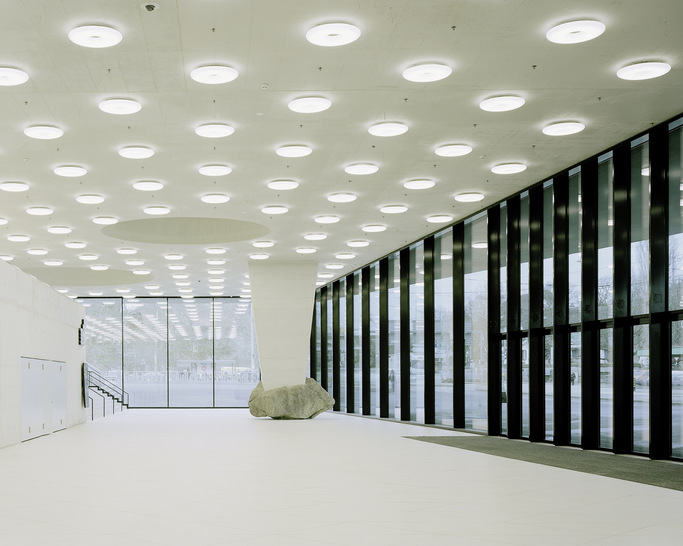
pixel 443 327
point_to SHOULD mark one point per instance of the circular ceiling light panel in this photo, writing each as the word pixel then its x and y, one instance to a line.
pixel 214 74
pixel 315 236
pixel 43 132
pixel 211 272
pixel 95 36
pixel 645 70
pixel 214 130
pixel 156 210
pixel 12 76
pixel 105 220
pixel 258 257
pixel 345 256
pixel 508 168
pixel 36 251
pixel 439 219
pixel 306 250
pixel 334 266
pixel 126 251
pixel 393 209
pixel 293 150
pixel 90 199
pixel 18 238
pixel 574 32
pixel 283 185
pixel 428 72
pixel 75 244
pixel 14 186
pixel 53 263
pixel 70 171
pixel 453 150
pixel 309 105
pixel 39 211
pixel 274 209
pixel 141 272
pixel 504 103
pixel 215 262
pixel 148 185
pixel 88 257
pixel 6 258
pixel 3 221
pixel 262 244
pixel 136 152
pixel 361 168
pixel 99 267
pixel 59 230
pixel 341 197
pixel 177 267
pixel 374 228
pixel 135 263
pixel 333 34
pixel 469 197
pixel 388 129
pixel 173 256
pixel 215 198
pixel 216 251
pixel 421 184
pixel 326 219
pixel 215 170
pixel 563 128
pixel 358 244
pixel 120 107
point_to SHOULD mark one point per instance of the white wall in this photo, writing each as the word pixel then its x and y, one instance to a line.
pixel 283 296
pixel 36 322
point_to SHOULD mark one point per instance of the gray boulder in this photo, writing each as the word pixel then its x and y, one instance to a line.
pixel 297 402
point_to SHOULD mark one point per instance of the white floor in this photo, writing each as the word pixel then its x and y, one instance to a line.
pixel 221 477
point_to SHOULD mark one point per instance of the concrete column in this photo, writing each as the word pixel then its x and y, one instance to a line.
pixel 283 296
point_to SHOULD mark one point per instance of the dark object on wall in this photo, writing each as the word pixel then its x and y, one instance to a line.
pixel 86 386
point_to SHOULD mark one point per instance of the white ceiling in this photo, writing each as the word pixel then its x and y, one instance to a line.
pixel 493 46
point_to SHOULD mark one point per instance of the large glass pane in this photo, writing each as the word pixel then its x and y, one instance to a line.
pixel 328 342
pixel 476 327
pixel 640 229
pixel 526 427
pixel 641 389
pixel 417 333
pixel 503 234
pixel 394 336
pixel 606 388
pixel 342 345
pixel 236 361
pixel 548 255
pixel 605 238
pixel 675 220
pixel 524 305
pixel 504 387
pixel 145 350
pixel 575 382
pixel 549 400
pixel 318 339
pixel 574 240
pixel 677 389
pixel 443 327
pixel 357 345
pixel 190 353
pixel 103 337
pixel 374 339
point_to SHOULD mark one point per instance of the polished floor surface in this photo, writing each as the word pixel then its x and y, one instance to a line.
pixel 221 477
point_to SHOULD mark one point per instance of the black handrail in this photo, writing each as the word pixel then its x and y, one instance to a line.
pixel 96 378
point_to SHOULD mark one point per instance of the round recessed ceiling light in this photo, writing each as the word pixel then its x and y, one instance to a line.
pixel 6 258
pixel 274 209
pixel 421 184
pixel 156 210
pixel 453 150
pixel 480 244
pixel 388 129
pixel 345 256
pixel 70 171
pixel 99 267
pixel 216 251
pixel 59 230
pixel 36 251
pixel 53 263
pixel 283 185
pixel 88 257
pixel 120 107
pixel 293 150
pixel 96 36
pixel 575 32
pixel 469 197
pixel 214 74
pixel 135 263
pixel 105 220
pixel 216 271
pixel 173 256
pixel 361 168
pixel 428 72
pixel 126 251
pixel 306 250
pixel 214 130
pixel 148 185
pixel 504 103
pixel 315 236
pixel 3 221
pixel 14 186
pixel 374 228
pixel 644 70
pixel 75 244
pixel 39 211
pixel 310 105
pixel 90 199
pixel 439 218
pixel 325 275
pixel 341 197
pixel 508 168
pixel 18 238
pixel 327 219
pixel 12 76
pixel 136 152
pixel 358 244
pixel 393 209
pixel 333 34
pixel 215 198
pixel 43 132
pixel 141 272
pixel 180 276
pixel 562 128
pixel 334 266
pixel 215 170
pixel 259 257
pixel 262 244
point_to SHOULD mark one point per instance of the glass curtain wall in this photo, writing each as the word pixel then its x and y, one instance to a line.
pixel 342 345
pixel 357 346
pixel 394 326
pixel 374 339
pixel 548 304
pixel 417 352
pixel 524 306
pixel 443 328
pixel 574 239
pixel 503 318
pixel 676 286
pixel 104 337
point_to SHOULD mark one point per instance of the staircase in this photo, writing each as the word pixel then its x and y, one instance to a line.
pixel 104 395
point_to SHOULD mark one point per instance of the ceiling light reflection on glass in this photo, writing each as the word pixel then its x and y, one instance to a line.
pixel 293 150
pixel 136 152
pixel 215 170
pixel 12 76
pixel 214 130
pixel 645 70
pixel 95 36
pixel 214 74
pixel 388 129
pixel 563 128
pixel 428 72
pixel 574 32
pixel 43 132
pixel 283 185
pixel 120 107
pixel 70 171
pixel 309 105
pixel 333 34
pixel 503 103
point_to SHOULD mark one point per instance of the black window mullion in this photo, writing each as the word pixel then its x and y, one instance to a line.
pixel 336 349
pixel 514 345
pixel 494 352
pixel 384 337
pixel 313 348
pixel 429 339
pixel 323 337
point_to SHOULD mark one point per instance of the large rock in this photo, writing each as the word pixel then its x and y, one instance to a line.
pixel 297 402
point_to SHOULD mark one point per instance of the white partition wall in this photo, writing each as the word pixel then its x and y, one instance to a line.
pixel 38 324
